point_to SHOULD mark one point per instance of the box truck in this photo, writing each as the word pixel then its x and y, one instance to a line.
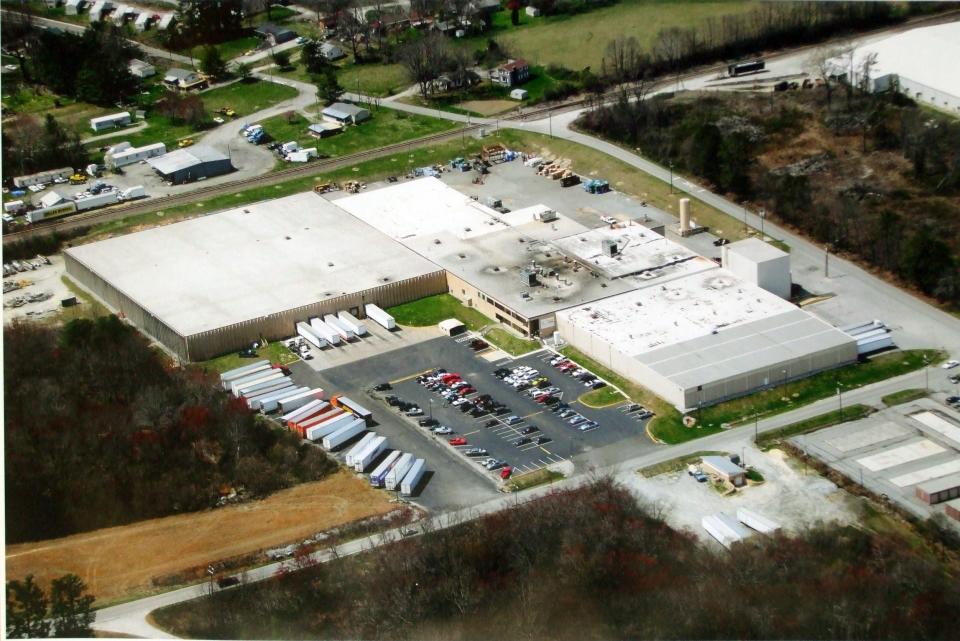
pixel 239 372
pixel 325 331
pixel 413 477
pixel 320 430
pixel 380 316
pixel 395 475
pixel 345 333
pixel 351 457
pixel 344 434
pixel 310 335
pixel 363 460
pixel 350 321
pixel 238 387
pixel 291 403
pixel 254 401
pixel 378 476
pixel 271 403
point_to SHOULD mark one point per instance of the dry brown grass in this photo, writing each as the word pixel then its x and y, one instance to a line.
pixel 489 107
pixel 122 561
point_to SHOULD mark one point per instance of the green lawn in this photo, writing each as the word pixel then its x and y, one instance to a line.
pixel 433 309
pixel 229 49
pixel 247 97
pixel 904 396
pixel 374 79
pixel 784 398
pixel 74 116
pixel 509 342
pixel 276 351
pixel 385 127
pixel 532 479
pixel 602 397
pixel 852 413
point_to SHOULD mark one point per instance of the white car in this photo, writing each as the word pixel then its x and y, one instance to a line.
pixel 443 429
pixel 219 120
pixel 950 364
pixel 610 220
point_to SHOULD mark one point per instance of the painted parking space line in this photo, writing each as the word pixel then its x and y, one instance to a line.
pixel 473 432
pixel 410 377
pixel 545 450
pixel 534 414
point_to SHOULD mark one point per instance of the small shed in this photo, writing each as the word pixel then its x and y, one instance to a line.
pixel 51 199
pixel 111 121
pixel 165 21
pixel 141 69
pixel 73 7
pixel 533 12
pixel 452 327
pixel 277 34
pixel 331 51
pixel 725 469
pixel 519 94
pixel 142 21
pixel 345 113
pixel 324 129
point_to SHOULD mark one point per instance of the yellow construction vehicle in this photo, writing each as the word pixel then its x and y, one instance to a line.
pixel 78 179
pixel 186 142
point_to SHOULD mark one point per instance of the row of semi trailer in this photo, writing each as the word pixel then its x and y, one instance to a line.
pixel 332 423
pixel 332 329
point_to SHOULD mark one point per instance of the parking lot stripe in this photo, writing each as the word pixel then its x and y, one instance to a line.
pixel 534 414
pixel 412 376
pixel 545 449
pixel 473 432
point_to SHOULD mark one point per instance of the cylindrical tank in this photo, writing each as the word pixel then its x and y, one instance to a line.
pixel 684 214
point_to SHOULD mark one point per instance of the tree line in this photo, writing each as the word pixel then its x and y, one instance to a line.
pixel 593 563
pixel 904 219
pixel 101 430
pixel 67 612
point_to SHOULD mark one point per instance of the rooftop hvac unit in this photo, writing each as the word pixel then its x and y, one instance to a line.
pixel 609 247
pixel 528 276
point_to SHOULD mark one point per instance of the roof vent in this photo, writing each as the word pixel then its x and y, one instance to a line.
pixel 385 279
pixel 288 238
pixel 329 264
pixel 461 256
pixel 246 211
pixel 436 241
pixel 467 229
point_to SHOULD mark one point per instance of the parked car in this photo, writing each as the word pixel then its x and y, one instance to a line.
pixel 458 440
pixel 513 420
pixel 414 411
pixel 950 364
pixel 427 422
pixel 475 451
pixel 506 472
pixel 530 429
pixel 521 441
pixel 540 440
pixel 442 430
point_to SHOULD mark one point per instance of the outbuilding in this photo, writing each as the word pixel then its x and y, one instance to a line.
pixel 166 20
pixel 452 327
pixel 345 113
pixel 725 469
pixel 73 7
pixel 324 129
pixel 42 177
pixel 183 79
pixel 272 33
pixel 519 94
pixel 331 51
pixel 141 69
pixel 939 490
pixel 195 163
pixel 142 21
pixel 109 122
pixel 121 156
pixel 760 264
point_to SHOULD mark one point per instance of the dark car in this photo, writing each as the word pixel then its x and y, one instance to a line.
pixel 521 441
pixel 491 423
pixel 427 422
pixel 530 429
pixel 227 581
pixel 382 387
pixel 393 401
pixel 598 384
pixel 540 440
pixel 466 407
pixel 248 352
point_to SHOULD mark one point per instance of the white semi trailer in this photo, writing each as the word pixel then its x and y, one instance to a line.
pixel 240 372
pixel 344 434
pixel 358 448
pixel 413 477
pixel 399 470
pixel 320 430
pixel 356 326
pixel 346 334
pixel 311 335
pixel 379 475
pixel 380 316
pixel 370 453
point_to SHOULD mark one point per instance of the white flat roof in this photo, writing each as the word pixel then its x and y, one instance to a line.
pixel 927 55
pixel 249 262
pixel 756 250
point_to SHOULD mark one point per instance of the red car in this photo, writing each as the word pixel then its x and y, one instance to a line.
pixel 458 440
pixel 463 391
pixel 506 472
pixel 450 378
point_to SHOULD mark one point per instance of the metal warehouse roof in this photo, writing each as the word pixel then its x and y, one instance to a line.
pixel 185 158
pixel 343 110
pixel 723 465
pixel 941 484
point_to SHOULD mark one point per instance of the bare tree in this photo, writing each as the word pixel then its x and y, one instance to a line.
pixel 424 60
pixel 353 28
pixel 823 65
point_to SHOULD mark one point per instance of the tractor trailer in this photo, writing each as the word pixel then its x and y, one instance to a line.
pixel 376 447
pixel 351 458
pixel 240 372
pixel 320 430
pixel 345 332
pixel 380 316
pixel 395 475
pixel 326 332
pixel 311 335
pixel 344 434
pixel 413 477
pixel 349 320
pixel 271 403
pixel 378 476
pixel 292 403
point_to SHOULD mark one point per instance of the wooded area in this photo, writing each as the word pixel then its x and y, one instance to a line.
pixel 101 430
pixel 873 175
pixel 593 564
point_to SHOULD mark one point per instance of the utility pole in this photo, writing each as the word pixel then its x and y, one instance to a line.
pixel 826 262
pixel 840 397
pixel 763 214
pixel 745 226
pixel 671 177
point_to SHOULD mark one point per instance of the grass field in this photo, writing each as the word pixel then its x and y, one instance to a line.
pixel 122 562
pixel 373 79
pixel 386 127
pixel 276 351
pixel 602 397
pixel 852 413
pixel 532 479
pixel 229 49
pixel 433 309
pixel 579 41
pixel 74 116
pixel 247 97
pixel 904 396
pixel 510 343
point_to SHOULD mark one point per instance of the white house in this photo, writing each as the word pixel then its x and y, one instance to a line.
pixel 141 69
pixel 519 94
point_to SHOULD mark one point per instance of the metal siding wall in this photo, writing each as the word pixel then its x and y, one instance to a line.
pixel 119 301
pixel 281 325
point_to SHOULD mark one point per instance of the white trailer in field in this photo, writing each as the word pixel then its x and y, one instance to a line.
pixel 253 379
pixel 413 477
pixel 325 428
pixel 395 476
pixel 326 332
pixel 350 321
pixel 725 529
pixel 311 335
pixel 292 403
pixel 379 475
pixel 359 446
pixel 304 411
pixel 345 332
pixel 757 522
pixel 240 372
pixel 272 402
pixel 370 453
pixel 380 316
pixel 344 434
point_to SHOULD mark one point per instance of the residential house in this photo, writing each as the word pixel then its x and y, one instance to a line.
pixel 141 69
pixel 345 113
pixel 330 51
pixel 183 79
pixel 515 72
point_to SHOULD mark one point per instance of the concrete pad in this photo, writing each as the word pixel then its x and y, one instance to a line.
pixel 869 436
pixel 941 426
pixel 495 355
pixel 900 455
pixel 920 476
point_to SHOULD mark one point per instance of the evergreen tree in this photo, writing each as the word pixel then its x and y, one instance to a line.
pixel 26 610
pixel 71 608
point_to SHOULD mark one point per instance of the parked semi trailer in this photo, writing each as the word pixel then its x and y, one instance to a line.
pixel 325 331
pixel 413 477
pixel 240 372
pixel 302 412
pixel 379 475
pixel 346 334
pixel 291 403
pixel 321 430
pixel 343 435
pixel 296 425
pixel 725 529
pixel 310 335
pixel 324 414
pixel 755 521
pixel 377 447
pixel 395 476
pixel 380 316
pixel 254 401
pixel 356 326
pixel 351 457
pixel 271 403
pixel 254 390
pixel 354 408
pixel 245 384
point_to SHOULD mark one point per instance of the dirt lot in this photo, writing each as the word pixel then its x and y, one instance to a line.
pixel 121 561
pixel 45 279
pixel 489 107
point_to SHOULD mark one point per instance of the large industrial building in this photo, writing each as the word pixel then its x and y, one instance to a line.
pixel 630 298
pixel 194 163
pixel 210 285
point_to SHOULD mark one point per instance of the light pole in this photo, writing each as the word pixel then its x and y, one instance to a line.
pixel 763 214
pixel 745 226
pixel 671 177
pixel 926 374
pixel 840 398
pixel 431 409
